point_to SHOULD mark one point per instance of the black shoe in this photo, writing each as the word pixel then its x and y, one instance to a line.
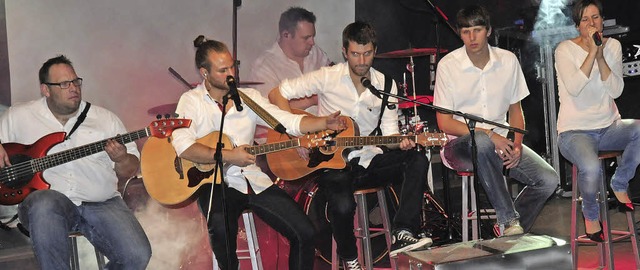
pixel 625 207
pixel 404 241
pixel 596 237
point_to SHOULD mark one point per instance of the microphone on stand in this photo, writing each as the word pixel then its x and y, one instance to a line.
pixel 367 83
pixel 597 39
pixel 233 92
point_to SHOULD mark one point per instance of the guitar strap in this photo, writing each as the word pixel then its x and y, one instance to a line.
pixel 385 103
pixel 81 118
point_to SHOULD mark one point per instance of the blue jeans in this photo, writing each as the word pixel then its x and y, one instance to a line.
pixel 581 147
pixel 539 177
pixel 110 226
pixel 274 207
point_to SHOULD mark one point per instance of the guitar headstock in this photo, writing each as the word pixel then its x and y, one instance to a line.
pixel 432 139
pixel 316 139
pixel 163 128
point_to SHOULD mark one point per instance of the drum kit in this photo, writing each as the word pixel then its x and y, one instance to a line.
pixel 410 121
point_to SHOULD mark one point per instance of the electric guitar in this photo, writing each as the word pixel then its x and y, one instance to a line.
pixel 172 180
pixel 29 161
pixel 288 165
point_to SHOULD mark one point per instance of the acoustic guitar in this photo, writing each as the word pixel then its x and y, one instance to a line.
pixel 29 161
pixel 172 180
pixel 288 165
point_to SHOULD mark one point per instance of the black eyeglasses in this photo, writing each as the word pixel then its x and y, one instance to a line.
pixel 64 85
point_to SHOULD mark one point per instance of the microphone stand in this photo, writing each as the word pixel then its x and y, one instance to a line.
pixel 219 166
pixel 440 17
pixel 471 121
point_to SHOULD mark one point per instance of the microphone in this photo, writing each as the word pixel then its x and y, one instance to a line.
pixel 367 83
pixel 233 92
pixel 597 39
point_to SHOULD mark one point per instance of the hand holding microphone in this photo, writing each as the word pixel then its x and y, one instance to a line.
pixel 233 92
pixel 597 38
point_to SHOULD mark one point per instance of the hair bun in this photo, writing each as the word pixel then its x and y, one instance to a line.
pixel 199 41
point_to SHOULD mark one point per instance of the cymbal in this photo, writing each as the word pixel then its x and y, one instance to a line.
pixel 420 98
pixel 163 109
pixel 410 52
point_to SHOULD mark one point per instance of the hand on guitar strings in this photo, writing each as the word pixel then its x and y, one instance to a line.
pixel 336 122
pixel 239 156
pixel 4 158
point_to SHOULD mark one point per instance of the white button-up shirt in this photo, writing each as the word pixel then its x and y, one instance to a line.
pixel 273 66
pixel 336 92
pixel 87 179
pixel 487 92
pixel 197 105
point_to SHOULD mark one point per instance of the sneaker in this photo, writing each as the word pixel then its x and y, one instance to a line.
pixel 513 228
pixel 352 265
pixel 404 241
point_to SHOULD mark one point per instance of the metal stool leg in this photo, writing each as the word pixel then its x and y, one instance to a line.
pixel 474 208
pixel 75 263
pixel 363 227
pixel 74 260
pixel 574 217
pixel 604 217
pixel 386 225
pixel 252 244
pixel 465 209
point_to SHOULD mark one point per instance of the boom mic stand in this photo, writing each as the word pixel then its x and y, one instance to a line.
pixel 471 121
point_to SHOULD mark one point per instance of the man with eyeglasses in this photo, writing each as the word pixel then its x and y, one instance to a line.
pixel 83 196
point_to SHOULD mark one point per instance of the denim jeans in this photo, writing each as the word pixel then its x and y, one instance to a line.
pixel 406 168
pixel 110 226
pixel 581 148
pixel 274 207
pixel 539 177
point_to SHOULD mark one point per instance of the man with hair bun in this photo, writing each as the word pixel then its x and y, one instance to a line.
pixel 246 186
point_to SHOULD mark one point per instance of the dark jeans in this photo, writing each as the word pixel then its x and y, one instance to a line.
pixel 274 207
pixel 538 176
pixel 406 168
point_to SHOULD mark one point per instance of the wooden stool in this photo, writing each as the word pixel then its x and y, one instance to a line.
pixel 469 201
pixel 363 232
pixel 604 248
pixel 75 262
pixel 253 249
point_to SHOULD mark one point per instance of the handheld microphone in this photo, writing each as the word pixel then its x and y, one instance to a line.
pixel 597 39
pixel 233 92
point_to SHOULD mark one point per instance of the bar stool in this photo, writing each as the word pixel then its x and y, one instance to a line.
pixel 363 232
pixel 253 249
pixel 605 248
pixel 75 262
pixel 469 201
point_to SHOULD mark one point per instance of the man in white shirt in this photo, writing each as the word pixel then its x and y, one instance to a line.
pixel 293 54
pixel 246 186
pixel 339 88
pixel 83 195
pixel 488 82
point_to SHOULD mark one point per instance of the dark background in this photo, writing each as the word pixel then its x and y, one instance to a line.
pixel 405 24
